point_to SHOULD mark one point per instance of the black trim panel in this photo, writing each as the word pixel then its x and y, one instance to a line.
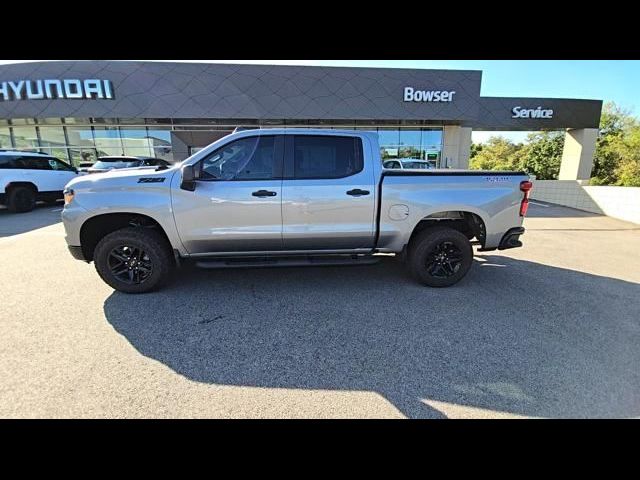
pixel 76 252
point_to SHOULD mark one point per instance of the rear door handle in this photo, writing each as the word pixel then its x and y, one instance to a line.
pixel 264 193
pixel 356 192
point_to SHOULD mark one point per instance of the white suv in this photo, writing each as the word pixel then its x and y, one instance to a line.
pixel 26 177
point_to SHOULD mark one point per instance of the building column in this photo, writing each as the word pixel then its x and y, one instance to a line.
pixel 577 155
pixel 456 147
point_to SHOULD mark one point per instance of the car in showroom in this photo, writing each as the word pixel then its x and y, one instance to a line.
pixel 116 162
pixel 408 163
pixel 29 177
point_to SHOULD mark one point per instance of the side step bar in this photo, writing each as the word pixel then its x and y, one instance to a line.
pixel 297 261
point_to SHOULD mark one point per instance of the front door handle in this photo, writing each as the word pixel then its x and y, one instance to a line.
pixel 356 192
pixel 264 193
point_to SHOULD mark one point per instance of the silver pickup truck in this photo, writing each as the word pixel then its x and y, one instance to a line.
pixel 289 197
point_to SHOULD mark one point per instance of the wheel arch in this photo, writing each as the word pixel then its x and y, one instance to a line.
pixel 466 221
pixel 97 227
pixel 15 184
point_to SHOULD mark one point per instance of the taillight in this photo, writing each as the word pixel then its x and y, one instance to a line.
pixel 525 187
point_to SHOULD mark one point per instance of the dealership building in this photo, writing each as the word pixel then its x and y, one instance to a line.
pixel 81 110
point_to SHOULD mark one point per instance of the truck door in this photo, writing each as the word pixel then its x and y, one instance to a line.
pixel 327 194
pixel 235 206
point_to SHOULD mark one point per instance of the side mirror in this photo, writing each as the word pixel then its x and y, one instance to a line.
pixel 74 169
pixel 188 178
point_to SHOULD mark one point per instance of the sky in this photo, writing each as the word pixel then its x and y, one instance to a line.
pixel 616 80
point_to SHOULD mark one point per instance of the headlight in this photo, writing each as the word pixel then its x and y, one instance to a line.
pixel 68 195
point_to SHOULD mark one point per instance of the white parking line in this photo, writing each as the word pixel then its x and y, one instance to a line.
pixel 539 204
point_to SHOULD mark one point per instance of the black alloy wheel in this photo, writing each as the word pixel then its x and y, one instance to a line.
pixel 130 265
pixel 444 260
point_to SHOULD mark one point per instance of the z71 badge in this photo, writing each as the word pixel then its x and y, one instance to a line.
pixel 151 180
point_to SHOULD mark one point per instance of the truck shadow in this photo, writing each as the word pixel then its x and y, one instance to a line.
pixel 42 216
pixel 513 336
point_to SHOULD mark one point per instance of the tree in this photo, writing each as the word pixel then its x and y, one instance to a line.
pixel 498 153
pixel 475 149
pixel 628 170
pixel 542 154
pixel 615 161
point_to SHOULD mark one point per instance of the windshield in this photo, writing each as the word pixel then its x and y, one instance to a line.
pixel 106 164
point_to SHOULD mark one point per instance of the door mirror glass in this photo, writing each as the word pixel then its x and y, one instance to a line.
pixel 188 178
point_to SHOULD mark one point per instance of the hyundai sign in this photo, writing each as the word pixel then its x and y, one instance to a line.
pixel 55 89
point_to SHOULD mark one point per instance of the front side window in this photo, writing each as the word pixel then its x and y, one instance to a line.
pixel 59 165
pixel 318 156
pixel 250 158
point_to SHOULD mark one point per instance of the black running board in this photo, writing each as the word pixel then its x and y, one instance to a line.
pixel 297 261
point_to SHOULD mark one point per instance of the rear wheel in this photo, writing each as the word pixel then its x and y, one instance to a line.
pixel 134 260
pixel 440 256
pixel 21 199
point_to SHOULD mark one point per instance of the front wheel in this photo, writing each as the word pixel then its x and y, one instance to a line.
pixel 440 256
pixel 134 260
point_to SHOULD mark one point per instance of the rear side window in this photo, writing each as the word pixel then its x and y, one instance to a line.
pixel 318 156
pixel 36 163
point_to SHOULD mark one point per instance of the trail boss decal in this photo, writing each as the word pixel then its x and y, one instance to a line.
pixel 496 179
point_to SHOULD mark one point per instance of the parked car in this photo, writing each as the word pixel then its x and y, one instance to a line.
pixel 104 164
pixel 409 163
pixel 83 167
pixel 290 197
pixel 27 177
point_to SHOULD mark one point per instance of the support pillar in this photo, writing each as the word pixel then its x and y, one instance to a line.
pixel 577 155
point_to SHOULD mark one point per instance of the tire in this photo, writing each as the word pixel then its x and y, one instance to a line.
pixel 21 199
pixel 440 256
pixel 122 259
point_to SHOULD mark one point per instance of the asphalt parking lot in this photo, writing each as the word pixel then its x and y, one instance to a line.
pixel 548 330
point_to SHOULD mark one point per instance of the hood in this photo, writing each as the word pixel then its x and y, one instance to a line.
pixel 123 176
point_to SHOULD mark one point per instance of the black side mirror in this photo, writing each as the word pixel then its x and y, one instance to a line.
pixel 74 169
pixel 188 178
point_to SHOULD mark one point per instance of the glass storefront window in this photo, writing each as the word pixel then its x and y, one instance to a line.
pixel 107 141
pixel 165 153
pixel 25 137
pixel 389 137
pixel 410 137
pixel 60 153
pixel 82 155
pixel 23 121
pixel 432 138
pixel 5 137
pixel 80 136
pixel 52 137
pixel 136 142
